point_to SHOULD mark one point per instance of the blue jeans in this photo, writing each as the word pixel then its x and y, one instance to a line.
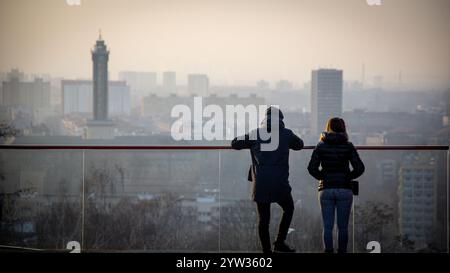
pixel 331 201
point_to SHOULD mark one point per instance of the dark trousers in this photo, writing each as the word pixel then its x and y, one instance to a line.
pixel 264 220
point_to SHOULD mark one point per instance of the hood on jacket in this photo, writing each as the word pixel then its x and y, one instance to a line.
pixel 268 118
pixel 334 138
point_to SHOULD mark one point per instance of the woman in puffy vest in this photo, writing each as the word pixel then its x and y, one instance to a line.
pixel 329 164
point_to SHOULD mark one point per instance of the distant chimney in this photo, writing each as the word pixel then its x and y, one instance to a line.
pixel 445 121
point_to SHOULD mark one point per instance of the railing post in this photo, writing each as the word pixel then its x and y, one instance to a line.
pixel 353 224
pixel 220 205
pixel 448 202
pixel 82 200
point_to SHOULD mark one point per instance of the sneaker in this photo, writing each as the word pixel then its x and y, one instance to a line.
pixel 282 247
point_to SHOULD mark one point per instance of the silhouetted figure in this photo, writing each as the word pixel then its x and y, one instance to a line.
pixel 269 173
pixel 333 154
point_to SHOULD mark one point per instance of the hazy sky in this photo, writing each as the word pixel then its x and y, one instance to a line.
pixel 234 41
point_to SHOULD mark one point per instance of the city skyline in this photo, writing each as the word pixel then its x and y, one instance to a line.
pixel 404 42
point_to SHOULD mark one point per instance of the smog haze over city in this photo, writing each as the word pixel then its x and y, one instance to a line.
pixel 116 121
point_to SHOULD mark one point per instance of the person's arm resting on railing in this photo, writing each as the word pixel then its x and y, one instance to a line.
pixel 296 143
pixel 240 143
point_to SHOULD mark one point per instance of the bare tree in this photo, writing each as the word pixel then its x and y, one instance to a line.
pixel 7 130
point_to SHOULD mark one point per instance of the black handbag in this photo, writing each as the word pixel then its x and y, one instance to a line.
pixel 355 187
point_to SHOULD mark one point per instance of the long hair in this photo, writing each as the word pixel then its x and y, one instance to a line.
pixel 335 125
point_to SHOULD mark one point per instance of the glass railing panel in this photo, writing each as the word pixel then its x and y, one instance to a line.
pixel 161 201
pixel 40 198
pixel 239 219
pixel 402 204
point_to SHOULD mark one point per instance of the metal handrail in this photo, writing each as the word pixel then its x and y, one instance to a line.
pixel 201 147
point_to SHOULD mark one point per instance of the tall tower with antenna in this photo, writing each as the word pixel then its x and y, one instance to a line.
pixel 100 58
pixel 100 127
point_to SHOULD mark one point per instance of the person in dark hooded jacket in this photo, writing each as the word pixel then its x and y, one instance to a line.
pixel 269 174
pixel 333 154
